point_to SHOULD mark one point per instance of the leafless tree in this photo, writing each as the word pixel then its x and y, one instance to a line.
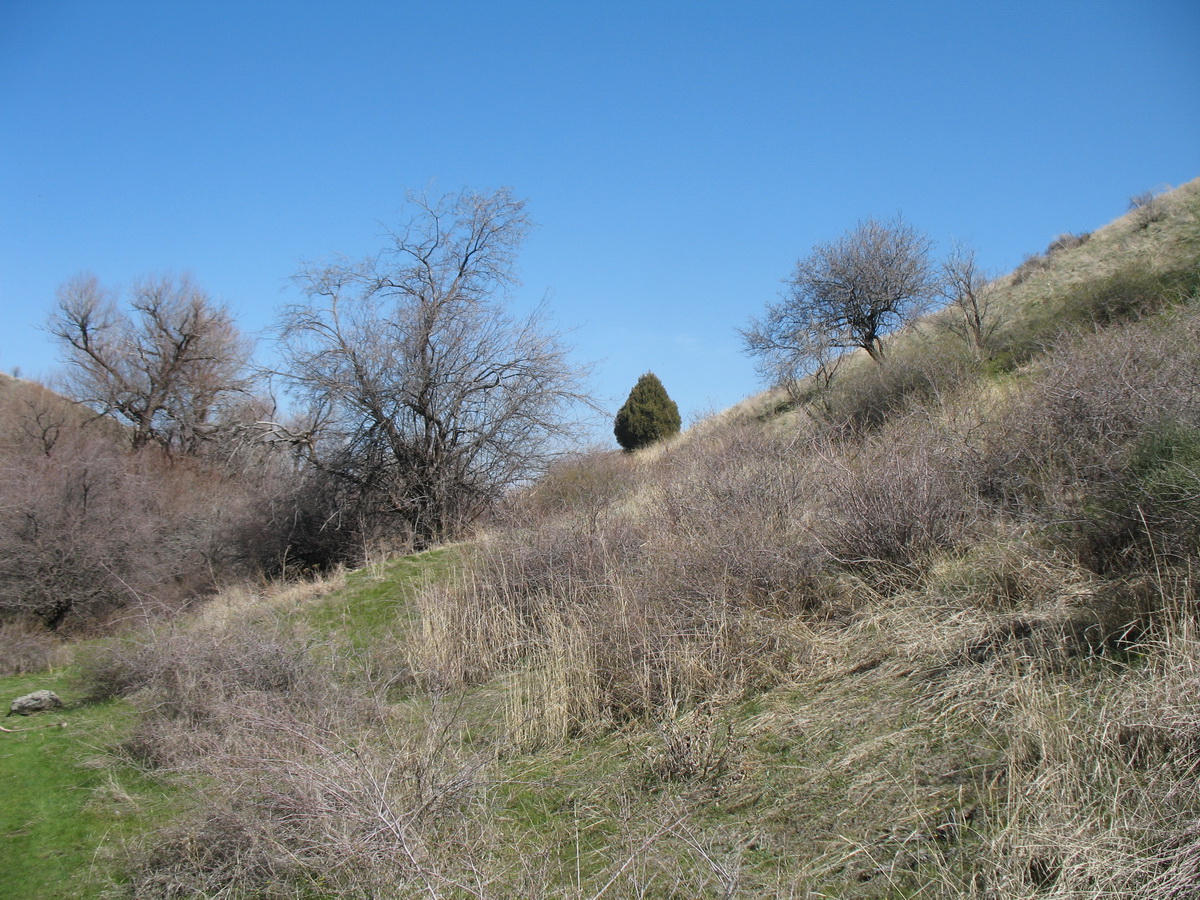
pixel 788 351
pixel 969 294
pixel 165 370
pixel 428 396
pixel 847 294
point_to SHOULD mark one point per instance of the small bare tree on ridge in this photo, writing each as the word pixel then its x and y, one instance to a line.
pixel 845 295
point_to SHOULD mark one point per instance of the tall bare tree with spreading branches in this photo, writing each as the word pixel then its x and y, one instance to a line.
pixel 427 396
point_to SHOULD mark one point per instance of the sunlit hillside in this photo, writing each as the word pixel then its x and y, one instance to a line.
pixel 928 631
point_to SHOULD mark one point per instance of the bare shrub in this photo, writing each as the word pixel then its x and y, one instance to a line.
pixel 92 533
pixel 726 521
pixel 196 684
pixel 564 557
pixel 26 647
pixel 1148 207
pixel 892 503
pixel 304 522
pixel 1067 437
pixel 89 532
pixel 117 667
pixel 1123 295
pixel 970 294
pixel 1032 265
pixel 307 785
pixel 212 850
pixel 294 805
pixel 698 747
pixel 585 485
pixel 633 613
pixel 1068 241
pixel 927 372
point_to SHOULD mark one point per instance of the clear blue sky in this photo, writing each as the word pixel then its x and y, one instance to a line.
pixel 677 156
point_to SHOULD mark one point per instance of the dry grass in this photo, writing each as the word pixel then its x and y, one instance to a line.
pixel 27 647
pixel 885 647
pixel 1094 796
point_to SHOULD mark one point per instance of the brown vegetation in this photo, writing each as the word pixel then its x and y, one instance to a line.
pixel 93 532
pixel 933 638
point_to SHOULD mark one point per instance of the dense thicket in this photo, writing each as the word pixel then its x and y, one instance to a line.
pixel 423 398
pixel 94 531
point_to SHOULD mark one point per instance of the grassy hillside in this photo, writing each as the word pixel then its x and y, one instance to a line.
pixel 928 633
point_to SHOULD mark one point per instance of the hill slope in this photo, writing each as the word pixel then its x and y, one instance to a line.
pixel 929 633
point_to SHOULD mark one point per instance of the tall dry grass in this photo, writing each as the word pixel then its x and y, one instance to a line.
pixel 1095 794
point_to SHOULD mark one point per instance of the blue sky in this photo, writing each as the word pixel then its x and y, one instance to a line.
pixel 677 156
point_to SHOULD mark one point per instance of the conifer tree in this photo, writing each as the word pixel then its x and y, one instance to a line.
pixel 648 415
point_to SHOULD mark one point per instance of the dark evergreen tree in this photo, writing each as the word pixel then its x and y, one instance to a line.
pixel 648 415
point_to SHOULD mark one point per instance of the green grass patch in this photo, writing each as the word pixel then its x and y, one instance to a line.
pixel 377 598
pixel 68 805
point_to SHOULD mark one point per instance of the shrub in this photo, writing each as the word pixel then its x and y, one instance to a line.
pixel 1033 264
pixel 299 803
pixel 92 533
pixel 865 398
pixel 307 524
pixel 699 747
pixel 1123 295
pixel 25 647
pixel 583 485
pixel 1068 241
pixel 892 502
pixel 1148 207
pixel 1064 439
pixel 196 685
pixel 725 521
pixel 1153 511
pixel 647 416
pixel 88 531
pixel 650 607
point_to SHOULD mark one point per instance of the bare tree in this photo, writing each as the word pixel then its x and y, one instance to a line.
pixel 428 396
pixel 845 295
pixel 165 371
pixel 788 351
pixel 969 294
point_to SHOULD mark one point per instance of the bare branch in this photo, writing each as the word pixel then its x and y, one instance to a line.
pixel 969 293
